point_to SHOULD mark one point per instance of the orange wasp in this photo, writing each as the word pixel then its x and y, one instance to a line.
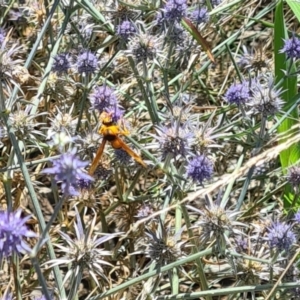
pixel 111 131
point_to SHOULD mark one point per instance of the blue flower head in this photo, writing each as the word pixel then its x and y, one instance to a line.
pixel 13 231
pixel 280 236
pixel 61 63
pixel 125 30
pixel 238 93
pixel 67 169
pixel 86 62
pixel 173 11
pixel 199 16
pixel 291 47
pixel 102 98
pixel 200 168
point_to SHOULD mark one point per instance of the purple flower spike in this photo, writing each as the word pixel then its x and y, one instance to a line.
pixel 68 170
pixel 12 233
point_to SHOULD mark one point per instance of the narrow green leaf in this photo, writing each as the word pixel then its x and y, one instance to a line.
pixel 289 86
pixel 295 7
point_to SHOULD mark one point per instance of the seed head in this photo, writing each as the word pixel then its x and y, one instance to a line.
pixel 293 176
pixel 86 62
pixel 265 99
pixel 13 231
pixel 280 236
pixel 200 168
pixel 62 63
pixel 83 252
pixel 143 47
pixel 291 47
pixel 163 247
pixel 68 169
pixel 175 139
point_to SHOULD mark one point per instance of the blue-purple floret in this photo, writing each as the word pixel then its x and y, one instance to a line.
pixel 61 63
pixel 291 47
pixel 125 30
pixel 116 112
pixel 2 35
pixel 67 169
pixel 199 16
pixel 86 62
pixel 13 231
pixel 200 168
pixel 173 11
pixel 280 236
pixel 103 98
pixel 238 93
pixel 297 217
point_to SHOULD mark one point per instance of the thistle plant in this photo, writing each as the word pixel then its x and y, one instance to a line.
pixel 82 253
pixel 203 96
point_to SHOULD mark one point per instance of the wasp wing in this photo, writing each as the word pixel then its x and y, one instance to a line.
pixel 118 143
pixel 97 157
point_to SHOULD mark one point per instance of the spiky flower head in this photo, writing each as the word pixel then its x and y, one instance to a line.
pixel 87 62
pixel 126 29
pixel 177 35
pixel 238 93
pixel 122 157
pixel 215 223
pixel 13 231
pixel 200 168
pixel 265 98
pixel 293 177
pixel 174 140
pixel 102 98
pixel 67 169
pixel 8 61
pixel 61 63
pixel 163 246
pixel 143 47
pixel 173 11
pixel 200 15
pixel 83 252
pixel 280 236
pixel 62 122
pixel 291 47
